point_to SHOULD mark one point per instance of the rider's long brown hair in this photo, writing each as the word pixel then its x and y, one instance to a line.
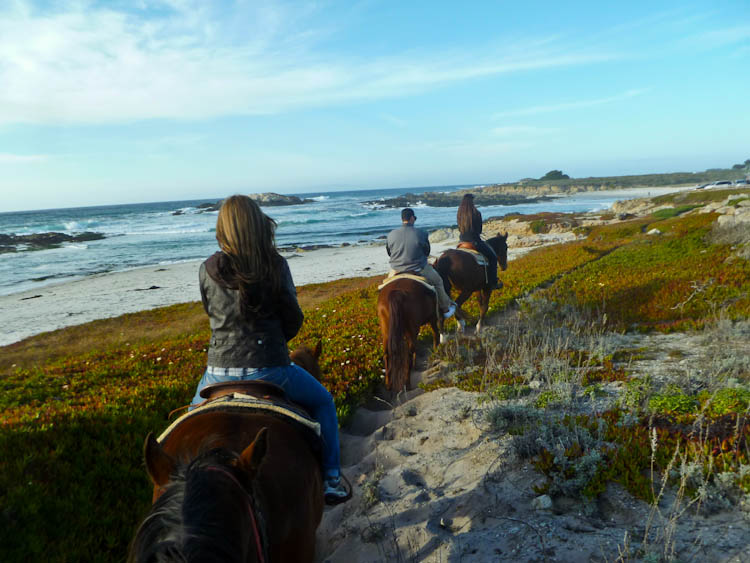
pixel 466 215
pixel 246 236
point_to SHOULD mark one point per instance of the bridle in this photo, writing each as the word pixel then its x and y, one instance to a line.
pixel 251 511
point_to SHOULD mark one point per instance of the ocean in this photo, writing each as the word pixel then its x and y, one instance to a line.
pixel 149 234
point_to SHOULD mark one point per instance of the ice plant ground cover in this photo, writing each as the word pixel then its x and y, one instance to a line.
pixel 77 403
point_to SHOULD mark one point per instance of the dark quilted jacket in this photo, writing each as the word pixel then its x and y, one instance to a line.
pixel 237 341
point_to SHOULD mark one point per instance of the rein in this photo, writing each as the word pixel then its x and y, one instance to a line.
pixel 256 532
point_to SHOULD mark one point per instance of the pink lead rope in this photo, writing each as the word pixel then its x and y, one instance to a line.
pixel 249 509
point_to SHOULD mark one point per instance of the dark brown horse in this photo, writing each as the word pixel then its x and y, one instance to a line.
pixel 404 306
pixel 460 269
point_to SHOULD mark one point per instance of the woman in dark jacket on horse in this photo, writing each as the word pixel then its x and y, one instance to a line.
pixel 470 227
pixel 248 293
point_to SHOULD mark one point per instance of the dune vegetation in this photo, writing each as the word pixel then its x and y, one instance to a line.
pixel 78 402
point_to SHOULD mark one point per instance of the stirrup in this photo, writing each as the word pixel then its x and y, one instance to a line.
pixel 449 313
pixel 334 491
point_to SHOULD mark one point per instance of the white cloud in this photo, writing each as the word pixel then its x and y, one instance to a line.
pixel 393 120
pixel 470 149
pixel 8 158
pixel 522 131
pixel 87 64
pixel 534 110
pixel 722 37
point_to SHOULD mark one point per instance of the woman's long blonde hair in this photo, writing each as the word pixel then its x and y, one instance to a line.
pixel 246 236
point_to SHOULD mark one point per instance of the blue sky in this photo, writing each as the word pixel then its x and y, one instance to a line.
pixel 131 101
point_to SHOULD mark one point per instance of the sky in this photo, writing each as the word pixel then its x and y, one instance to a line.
pixel 107 102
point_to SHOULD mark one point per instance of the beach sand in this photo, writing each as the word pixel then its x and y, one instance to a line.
pixel 101 296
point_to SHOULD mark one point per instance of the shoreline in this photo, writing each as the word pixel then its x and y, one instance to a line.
pixel 111 294
pixel 54 306
pixel 107 295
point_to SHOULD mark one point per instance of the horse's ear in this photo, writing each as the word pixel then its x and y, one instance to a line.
pixel 159 464
pixel 318 349
pixel 505 236
pixel 252 457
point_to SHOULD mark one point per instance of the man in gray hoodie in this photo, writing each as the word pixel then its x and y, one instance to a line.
pixel 408 248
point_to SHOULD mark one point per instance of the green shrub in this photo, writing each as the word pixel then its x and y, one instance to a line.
pixel 727 400
pixel 539 226
pixel 672 212
pixel 675 402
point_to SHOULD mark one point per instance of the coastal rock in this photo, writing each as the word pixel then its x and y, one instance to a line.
pixel 441 235
pixel 43 241
pixel 271 199
pixel 453 199
pixel 267 199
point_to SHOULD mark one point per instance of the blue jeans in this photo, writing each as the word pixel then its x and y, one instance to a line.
pixel 300 387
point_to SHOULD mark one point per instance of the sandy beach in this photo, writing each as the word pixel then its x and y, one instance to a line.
pixel 108 295
pixel 102 296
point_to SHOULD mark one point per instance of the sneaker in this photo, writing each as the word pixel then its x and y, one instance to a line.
pixel 335 492
pixel 449 313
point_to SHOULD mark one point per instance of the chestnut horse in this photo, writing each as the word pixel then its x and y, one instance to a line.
pixel 307 358
pixel 234 485
pixel 460 269
pixel 404 306
pixel 214 504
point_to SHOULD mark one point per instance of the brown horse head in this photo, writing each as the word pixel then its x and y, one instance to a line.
pixel 231 486
pixel 499 244
pixel 404 306
pixel 308 358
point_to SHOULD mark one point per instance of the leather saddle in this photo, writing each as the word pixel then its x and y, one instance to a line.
pixel 255 388
pixel 467 246
pixel 263 396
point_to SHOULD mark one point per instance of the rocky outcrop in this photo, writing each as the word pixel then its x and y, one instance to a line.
pixel 453 199
pixel 267 199
pixel 43 241
pixel 270 199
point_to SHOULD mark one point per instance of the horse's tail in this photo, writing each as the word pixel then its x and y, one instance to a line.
pixel 443 267
pixel 398 351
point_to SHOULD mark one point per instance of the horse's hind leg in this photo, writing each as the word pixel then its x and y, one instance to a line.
pixel 484 302
pixel 460 315
pixel 437 332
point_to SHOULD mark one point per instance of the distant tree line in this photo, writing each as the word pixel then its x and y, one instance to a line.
pixel 558 178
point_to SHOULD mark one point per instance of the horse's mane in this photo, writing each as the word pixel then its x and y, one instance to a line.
pixel 169 533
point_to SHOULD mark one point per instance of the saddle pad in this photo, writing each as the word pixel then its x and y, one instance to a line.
pixel 240 401
pixel 478 256
pixel 395 277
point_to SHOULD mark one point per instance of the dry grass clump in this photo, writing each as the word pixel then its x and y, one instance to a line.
pixel 581 434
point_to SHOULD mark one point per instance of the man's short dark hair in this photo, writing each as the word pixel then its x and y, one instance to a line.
pixel 407 214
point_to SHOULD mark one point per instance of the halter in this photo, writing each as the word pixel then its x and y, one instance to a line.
pixel 254 521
